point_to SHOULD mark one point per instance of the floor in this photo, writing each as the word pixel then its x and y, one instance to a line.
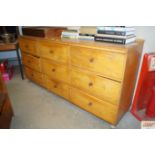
pixel 36 108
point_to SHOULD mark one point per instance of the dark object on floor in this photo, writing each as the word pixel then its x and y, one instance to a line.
pixel 2 99
pixel 6 111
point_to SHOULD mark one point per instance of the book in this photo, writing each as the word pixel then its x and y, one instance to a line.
pixel 82 34
pixel 85 37
pixel 88 30
pixel 77 28
pixel 69 34
pixel 69 31
pixel 115 28
pixel 115 40
pixel 120 33
pixel 115 36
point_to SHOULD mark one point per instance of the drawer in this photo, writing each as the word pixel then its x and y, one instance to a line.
pixel 108 64
pixel 28 46
pixel 57 87
pixel 102 88
pixel 34 76
pixel 54 51
pixel 31 61
pixel 98 107
pixel 55 70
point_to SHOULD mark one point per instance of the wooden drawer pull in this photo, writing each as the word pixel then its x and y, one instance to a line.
pixel 55 86
pixel 90 103
pixel 91 60
pixel 51 51
pixel 26 46
pixel 90 84
pixel 53 70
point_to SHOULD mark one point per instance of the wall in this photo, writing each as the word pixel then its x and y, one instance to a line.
pixel 148 34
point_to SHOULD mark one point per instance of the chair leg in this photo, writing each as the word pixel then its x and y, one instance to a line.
pixel 19 62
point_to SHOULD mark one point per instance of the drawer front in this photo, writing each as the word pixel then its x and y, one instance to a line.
pixel 107 64
pixel 31 61
pixel 57 87
pixel 28 46
pixel 55 70
pixel 102 88
pixel 54 52
pixel 98 107
pixel 34 76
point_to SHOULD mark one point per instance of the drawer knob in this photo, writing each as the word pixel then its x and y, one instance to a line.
pixel 53 70
pixel 90 84
pixel 26 46
pixel 91 60
pixel 55 86
pixel 29 61
pixel 90 103
pixel 51 51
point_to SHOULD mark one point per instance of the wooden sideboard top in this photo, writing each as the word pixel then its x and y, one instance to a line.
pixel 85 43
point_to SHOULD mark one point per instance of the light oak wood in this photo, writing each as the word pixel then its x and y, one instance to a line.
pixel 128 81
pixel 55 52
pixel 107 64
pixel 57 87
pixel 55 70
pixel 92 104
pixel 140 43
pixel 29 46
pixel 31 61
pixel 102 88
pixel 98 77
pixel 34 76
pixel 115 48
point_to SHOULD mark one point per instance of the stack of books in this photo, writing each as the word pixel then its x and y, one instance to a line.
pixel 116 34
pixel 71 33
pixel 87 32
